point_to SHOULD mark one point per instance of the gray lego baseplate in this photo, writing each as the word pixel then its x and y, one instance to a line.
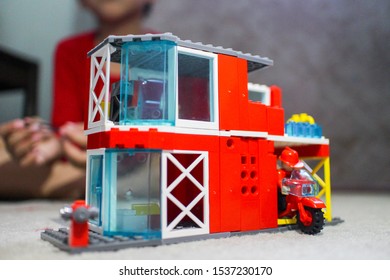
pixel 98 242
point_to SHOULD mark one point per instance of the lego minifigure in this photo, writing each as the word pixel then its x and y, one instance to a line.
pixel 289 161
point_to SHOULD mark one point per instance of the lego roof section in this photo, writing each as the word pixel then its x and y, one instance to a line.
pixel 254 61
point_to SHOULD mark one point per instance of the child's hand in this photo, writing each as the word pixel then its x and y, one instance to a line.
pixel 74 143
pixel 30 141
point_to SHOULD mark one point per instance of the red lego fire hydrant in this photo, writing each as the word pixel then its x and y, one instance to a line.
pixel 79 214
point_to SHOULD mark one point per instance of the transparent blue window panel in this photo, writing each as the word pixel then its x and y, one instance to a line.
pixel 145 94
pixel 133 196
pixel 303 129
pixel 195 88
pixel 95 185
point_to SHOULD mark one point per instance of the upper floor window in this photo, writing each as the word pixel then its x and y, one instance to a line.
pixel 259 93
pixel 145 93
pixel 197 89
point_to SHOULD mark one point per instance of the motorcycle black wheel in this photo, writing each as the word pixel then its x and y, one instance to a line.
pixel 316 224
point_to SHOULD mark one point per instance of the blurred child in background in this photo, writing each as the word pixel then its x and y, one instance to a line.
pixel 32 152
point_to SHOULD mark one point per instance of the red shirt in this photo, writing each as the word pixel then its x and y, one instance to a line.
pixel 71 79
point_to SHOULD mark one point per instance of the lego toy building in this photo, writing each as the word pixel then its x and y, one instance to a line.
pixel 182 145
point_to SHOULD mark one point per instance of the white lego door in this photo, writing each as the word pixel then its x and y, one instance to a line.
pixel 184 198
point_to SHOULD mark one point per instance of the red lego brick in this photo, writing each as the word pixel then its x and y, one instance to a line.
pixel 275 121
pixel 250 214
pixel 309 151
pixel 152 139
pixel 230 162
pixel 250 184
pixel 276 96
pixel 313 151
pixel 243 101
pixel 268 190
pixel 228 91
pixel 257 113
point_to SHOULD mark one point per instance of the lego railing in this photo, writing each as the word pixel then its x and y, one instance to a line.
pixel 99 86
pixel 325 191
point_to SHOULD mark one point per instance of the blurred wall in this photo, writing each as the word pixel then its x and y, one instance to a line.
pixel 331 58
pixel 32 29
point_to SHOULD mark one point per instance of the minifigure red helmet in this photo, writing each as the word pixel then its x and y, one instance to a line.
pixel 290 157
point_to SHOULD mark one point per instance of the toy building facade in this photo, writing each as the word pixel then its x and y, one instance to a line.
pixel 180 144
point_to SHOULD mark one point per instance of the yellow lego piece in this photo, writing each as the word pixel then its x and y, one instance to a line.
pixel 146 209
pixel 286 221
pixel 302 117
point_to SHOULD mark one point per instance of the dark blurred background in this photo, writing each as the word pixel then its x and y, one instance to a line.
pixel 332 59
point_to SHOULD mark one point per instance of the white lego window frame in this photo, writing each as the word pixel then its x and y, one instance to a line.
pixel 263 93
pixel 168 230
pixel 100 70
pixel 95 152
pixel 213 95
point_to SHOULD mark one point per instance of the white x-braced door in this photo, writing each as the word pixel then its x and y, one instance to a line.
pixel 185 203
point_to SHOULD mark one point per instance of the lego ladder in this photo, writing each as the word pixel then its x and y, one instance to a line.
pixel 325 191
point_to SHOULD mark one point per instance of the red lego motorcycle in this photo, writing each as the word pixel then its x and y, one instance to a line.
pixel 299 198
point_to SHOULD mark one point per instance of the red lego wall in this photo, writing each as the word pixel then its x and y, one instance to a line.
pixel 236 111
pixel 229 112
pixel 248 184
